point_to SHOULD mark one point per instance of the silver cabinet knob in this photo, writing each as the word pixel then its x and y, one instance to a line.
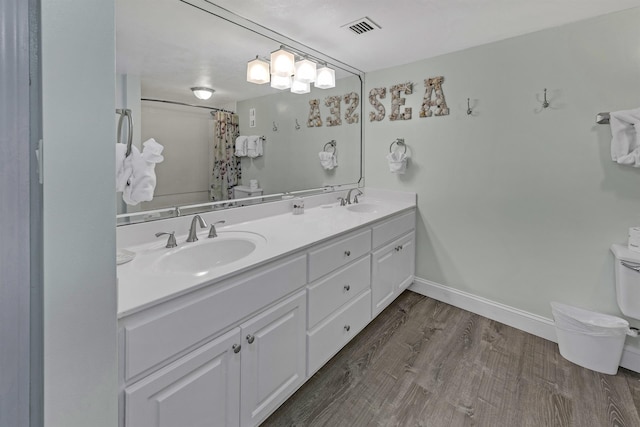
pixel 250 339
pixel 347 288
pixel 347 253
pixel 236 348
pixel 347 328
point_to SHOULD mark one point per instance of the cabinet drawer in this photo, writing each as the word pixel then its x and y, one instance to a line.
pixel 331 335
pixel 388 230
pixel 162 333
pixel 331 292
pixel 338 253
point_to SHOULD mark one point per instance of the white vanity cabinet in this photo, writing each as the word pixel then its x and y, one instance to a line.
pixel 392 264
pixel 230 353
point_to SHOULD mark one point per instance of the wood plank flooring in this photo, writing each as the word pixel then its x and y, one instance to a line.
pixel 426 363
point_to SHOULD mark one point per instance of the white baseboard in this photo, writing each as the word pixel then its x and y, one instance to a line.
pixel 511 316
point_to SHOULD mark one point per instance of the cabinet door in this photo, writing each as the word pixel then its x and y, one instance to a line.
pixel 383 277
pixel 201 389
pixel 393 269
pixel 406 261
pixel 273 358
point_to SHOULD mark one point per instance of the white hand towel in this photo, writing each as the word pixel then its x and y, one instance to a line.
pixel 397 162
pixel 625 141
pixel 241 146
pixel 254 146
pixel 328 160
pixel 142 183
pixel 121 176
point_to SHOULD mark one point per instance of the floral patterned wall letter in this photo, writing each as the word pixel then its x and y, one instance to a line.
pixel 352 100
pixel 397 101
pixel 334 103
pixel 373 100
pixel 314 114
pixel 432 84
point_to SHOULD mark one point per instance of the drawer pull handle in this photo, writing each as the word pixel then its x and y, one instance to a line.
pixel 397 248
pixel 250 338
pixel 347 328
pixel 347 288
pixel 347 253
pixel 401 247
pixel 236 348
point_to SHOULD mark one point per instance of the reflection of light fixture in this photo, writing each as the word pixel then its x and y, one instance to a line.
pixel 278 82
pixel 203 93
pixel 258 71
pixel 284 72
pixel 325 78
pixel 305 71
pixel 300 87
pixel 282 63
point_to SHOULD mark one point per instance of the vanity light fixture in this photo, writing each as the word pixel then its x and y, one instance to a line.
pixel 305 71
pixel 203 93
pixel 278 82
pixel 258 71
pixel 300 87
pixel 282 63
pixel 326 78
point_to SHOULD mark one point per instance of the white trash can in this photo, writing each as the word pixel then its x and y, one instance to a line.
pixel 590 339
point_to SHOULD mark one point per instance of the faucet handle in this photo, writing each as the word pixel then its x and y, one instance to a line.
pixel 343 201
pixel 212 231
pixel 171 242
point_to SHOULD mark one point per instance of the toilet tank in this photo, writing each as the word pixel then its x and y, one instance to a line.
pixel 241 191
pixel 627 271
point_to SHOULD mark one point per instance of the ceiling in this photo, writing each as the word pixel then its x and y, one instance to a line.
pixel 173 45
pixel 412 29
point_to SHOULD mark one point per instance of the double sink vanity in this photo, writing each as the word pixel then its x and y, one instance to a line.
pixel 221 331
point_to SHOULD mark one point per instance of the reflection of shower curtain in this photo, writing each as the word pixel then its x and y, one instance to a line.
pixel 226 167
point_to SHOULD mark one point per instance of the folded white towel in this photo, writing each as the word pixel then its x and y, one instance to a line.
pixel 328 160
pixel 121 176
pixel 254 146
pixel 241 146
pixel 397 162
pixel 142 182
pixel 625 141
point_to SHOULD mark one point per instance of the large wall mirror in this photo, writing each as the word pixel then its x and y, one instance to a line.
pixel 165 48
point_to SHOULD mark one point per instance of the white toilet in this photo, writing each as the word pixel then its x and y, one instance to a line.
pixel 595 340
pixel 627 268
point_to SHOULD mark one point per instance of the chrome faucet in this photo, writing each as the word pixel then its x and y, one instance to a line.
pixel 193 229
pixel 355 198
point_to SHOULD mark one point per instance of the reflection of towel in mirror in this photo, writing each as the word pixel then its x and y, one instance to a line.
pixel 241 146
pixel 123 168
pixel 254 146
pixel 328 160
pixel 142 182
pixel 397 162
pixel 625 141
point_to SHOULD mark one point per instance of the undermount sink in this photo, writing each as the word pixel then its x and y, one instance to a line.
pixel 363 208
pixel 201 257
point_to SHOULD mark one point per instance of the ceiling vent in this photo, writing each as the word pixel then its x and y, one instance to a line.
pixel 361 26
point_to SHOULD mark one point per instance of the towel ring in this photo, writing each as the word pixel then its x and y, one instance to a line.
pixel 331 143
pixel 398 141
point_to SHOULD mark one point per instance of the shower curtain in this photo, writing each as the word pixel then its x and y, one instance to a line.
pixel 226 167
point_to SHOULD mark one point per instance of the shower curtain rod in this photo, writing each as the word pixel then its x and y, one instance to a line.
pixel 187 105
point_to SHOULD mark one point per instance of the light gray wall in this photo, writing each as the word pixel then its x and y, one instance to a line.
pixel 518 204
pixel 14 214
pixel 290 160
pixel 78 87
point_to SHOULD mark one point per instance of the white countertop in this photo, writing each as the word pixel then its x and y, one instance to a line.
pixel 285 233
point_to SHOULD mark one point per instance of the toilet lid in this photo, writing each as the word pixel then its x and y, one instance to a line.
pixel 623 253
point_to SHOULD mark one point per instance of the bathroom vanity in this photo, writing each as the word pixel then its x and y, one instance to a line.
pixel 231 343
